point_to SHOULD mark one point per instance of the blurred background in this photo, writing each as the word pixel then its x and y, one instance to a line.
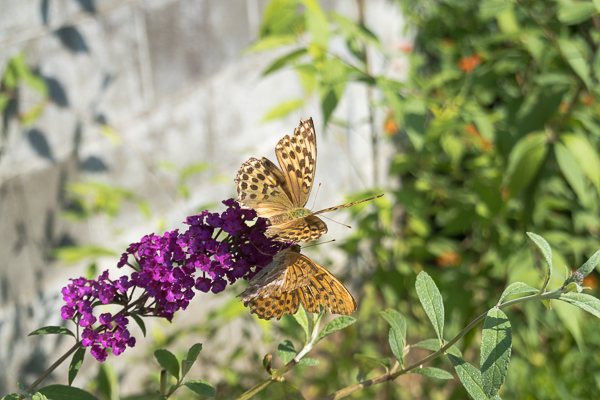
pixel 480 120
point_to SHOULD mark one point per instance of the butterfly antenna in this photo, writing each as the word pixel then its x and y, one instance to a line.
pixel 316 195
pixel 318 243
pixel 337 222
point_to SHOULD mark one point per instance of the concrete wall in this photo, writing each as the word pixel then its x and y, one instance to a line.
pixel 170 80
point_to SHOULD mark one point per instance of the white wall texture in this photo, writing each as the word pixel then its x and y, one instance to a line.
pixel 172 79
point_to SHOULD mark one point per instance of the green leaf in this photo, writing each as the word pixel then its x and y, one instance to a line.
pixel 271 42
pixel 433 372
pixel 301 317
pixel 308 362
pixel 167 361
pixel 584 301
pixel 432 302
pixel 63 392
pixel 37 396
pixel 496 345
pixel 573 52
pixel 190 359
pixel 470 377
pixel 524 161
pixel 335 325
pixel 587 156
pixel 589 265
pixel 284 61
pixel 571 170
pixel 52 330
pixel 575 12
pixel 397 333
pixel 544 247
pixel 316 23
pixel 13 396
pixel 140 322
pixel 75 364
pixel 281 17
pixel 286 351
pixel 282 390
pixel 283 109
pixel 367 364
pixel 33 114
pixel 201 388
pixel 108 383
pixel 517 288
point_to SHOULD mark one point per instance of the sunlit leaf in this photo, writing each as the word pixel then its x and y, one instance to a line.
pixel 282 109
pixel 496 345
pixel 335 325
pixel 589 265
pixel 517 288
pixel 470 377
pixel 433 372
pixel 432 302
pixel 584 301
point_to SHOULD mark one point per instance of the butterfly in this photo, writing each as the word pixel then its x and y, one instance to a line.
pixel 292 279
pixel 280 193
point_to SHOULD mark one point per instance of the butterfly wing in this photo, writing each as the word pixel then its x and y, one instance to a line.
pixel 261 185
pixel 299 230
pixel 291 279
pixel 297 156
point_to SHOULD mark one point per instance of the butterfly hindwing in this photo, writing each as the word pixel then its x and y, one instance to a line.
pixel 299 230
pixel 293 279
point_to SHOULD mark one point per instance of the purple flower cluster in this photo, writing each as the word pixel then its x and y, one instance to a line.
pixel 215 250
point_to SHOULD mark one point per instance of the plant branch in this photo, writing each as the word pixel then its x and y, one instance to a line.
pixel 393 374
pixel 47 372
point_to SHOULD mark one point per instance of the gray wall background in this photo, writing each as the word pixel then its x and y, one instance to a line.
pixel 171 79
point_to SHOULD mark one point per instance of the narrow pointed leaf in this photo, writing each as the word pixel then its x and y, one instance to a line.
pixel 140 322
pixel 584 301
pixel 433 372
pixel 52 330
pixel 470 377
pixel 75 364
pixel 336 325
pixel 544 247
pixel 517 288
pixel 496 345
pixel 167 361
pixel 190 359
pixel 397 334
pixel 589 265
pixel 431 300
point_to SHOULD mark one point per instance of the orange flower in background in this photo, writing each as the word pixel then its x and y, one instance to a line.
pixel 390 127
pixel 405 46
pixel 483 143
pixel 448 259
pixel 469 63
pixel 591 281
pixel 587 99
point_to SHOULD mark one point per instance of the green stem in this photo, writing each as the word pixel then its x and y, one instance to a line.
pixel 277 375
pixel 393 374
pixel 47 372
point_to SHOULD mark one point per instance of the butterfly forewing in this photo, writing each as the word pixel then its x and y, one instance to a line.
pixel 297 156
pixel 293 279
pixel 299 229
pixel 261 186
